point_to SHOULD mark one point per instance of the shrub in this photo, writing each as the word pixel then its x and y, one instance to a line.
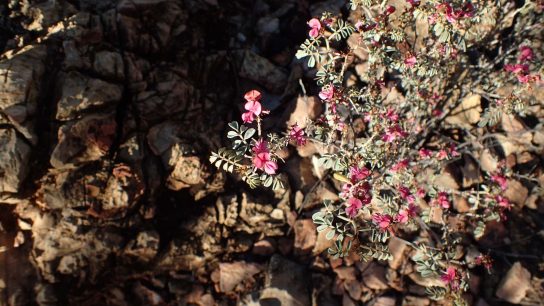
pixel 386 152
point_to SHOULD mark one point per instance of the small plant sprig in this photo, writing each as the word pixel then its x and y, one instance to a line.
pixel 252 154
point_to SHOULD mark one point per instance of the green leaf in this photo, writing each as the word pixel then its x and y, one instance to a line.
pixel 232 134
pixel 234 125
pixel 322 227
pixel 330 235
pixel 311 62
pixel 249 133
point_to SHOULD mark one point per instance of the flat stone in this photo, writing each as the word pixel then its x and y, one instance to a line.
pixel 374 277
pixel 516 192
pixel 397 248
pixel 232 274
pixel 305 237
pixel 515 284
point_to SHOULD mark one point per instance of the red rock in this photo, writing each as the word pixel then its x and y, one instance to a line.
pixel 264 247
pixel 305 237
pixel 515 284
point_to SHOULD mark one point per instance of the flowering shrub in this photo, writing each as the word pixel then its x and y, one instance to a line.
pixel 387 169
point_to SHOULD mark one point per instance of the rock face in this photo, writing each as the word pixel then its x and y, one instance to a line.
pixel 285 284
pixel 514 285
pixel 14 162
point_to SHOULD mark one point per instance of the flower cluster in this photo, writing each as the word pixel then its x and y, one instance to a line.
pixel 251 154
pixel 388 143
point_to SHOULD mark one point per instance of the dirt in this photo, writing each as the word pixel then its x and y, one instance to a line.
pixel 109 111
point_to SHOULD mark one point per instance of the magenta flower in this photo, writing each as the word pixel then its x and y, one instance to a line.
pixel 346 191
pixel 442 200
pixel 383 221
pixel 503 202
pixel 357 174
pixel 526 54
pixel 248 117
pixel 390 10
pixel 401 165
pixel 315 26
pixel 253 95
pixel 517 68
pixel 362 192
pixel 405 194
pixel 359 25
pixel 262 161
pixel 410 61
pixel 500 180
pixel 354 205
pixel 391 115
pixel 393 133
pixel 260 146
pixel 425 153
pixel 297 134
pixel 253 107
pixel 442 154
pixel 420 193
pixel 327 93
pixel 450 277
pixel 453 151
pixel 402 216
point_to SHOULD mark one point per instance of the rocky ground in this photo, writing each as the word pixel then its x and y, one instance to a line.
pixel 109 110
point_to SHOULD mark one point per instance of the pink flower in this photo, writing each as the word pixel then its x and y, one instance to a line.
pixel 453 151
pixel 425 153
pixel 484 260
pixel 262 161
pixel 421 193
pixel 297 134
pixel 433 18
pixel 413 2
pixel 526 54
pixel 346 191
pixel 450 277
pixel 253 95
pixel 354 205
pixel 402 216
pixel 315 26
pixel 382 220
pixel 503 202
pixel 406 214
pixel 410 61
pixel 248 117
pixel 405 194
pixel 517 68
pixel 442 154
pixel 391 115
pixel 260 146
pixel 390 10
pixel 394 133
pixel 327 93
pixel 401 165
pixel 270 167
pixel 253 107
pixel 442 200
pixel 412 210
pixel 359 25
pixel 529 78
pixel 362 192
pixel 357 174
pixel 500 180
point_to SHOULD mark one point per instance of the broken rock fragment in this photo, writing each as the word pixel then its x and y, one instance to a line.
pixel 14 167
pixel 515 284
